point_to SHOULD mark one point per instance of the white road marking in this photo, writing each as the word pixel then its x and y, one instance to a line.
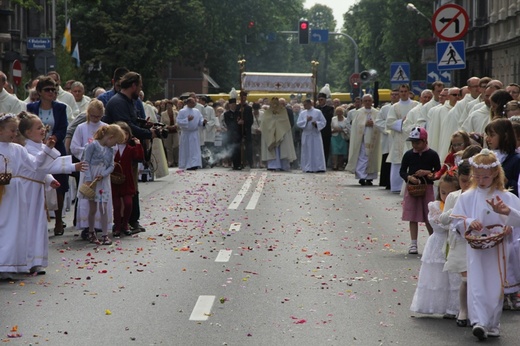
pixel 202 309
pixel 258 192
pixel 223 256
pixel 241 194
pixel 235 227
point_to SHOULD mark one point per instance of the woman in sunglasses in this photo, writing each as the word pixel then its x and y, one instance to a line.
pixel 53 114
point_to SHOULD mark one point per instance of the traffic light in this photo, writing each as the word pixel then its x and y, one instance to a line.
pixel 303 31
pixel 250 32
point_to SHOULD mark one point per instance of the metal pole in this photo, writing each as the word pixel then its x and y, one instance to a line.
pixel 356 49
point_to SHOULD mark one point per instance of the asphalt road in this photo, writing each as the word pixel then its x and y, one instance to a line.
pixel 238 258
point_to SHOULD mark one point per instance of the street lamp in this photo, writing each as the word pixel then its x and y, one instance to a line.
pixel 411 7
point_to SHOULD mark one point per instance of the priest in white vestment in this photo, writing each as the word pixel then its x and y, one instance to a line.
pixel 394 123
pixel 190 120
pixel 311 121
pixel 480 117
pixel 9 103
pixel 276 142
pixel 437 88
pixel 437 139
pixel 364 143
pixel 412 119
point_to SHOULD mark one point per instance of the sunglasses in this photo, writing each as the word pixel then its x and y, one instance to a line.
pixel 49 90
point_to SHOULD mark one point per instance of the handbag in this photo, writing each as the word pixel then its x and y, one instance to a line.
pixel 418 190
pixel 117 178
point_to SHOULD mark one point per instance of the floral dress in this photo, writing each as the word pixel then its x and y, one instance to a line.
pixel 101 162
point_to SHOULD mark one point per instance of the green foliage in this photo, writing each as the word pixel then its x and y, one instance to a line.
pixel 67 66
pixel 30 4
pixel 386 32
pixel 148 35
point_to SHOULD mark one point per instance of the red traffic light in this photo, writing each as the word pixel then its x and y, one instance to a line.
pixel 304 25
pixel 251 24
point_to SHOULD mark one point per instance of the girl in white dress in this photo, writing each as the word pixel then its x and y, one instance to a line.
pixel 32 128
pixel 456 259
pixel 487 203
pixel 14 199
pixel 100 157
pixel 437 291
pixel 84 135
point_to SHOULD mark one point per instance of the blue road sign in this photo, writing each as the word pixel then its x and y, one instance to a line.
pixel 319 36
pixel 433 74
pixel 451 55
pixel 399 73
pixel 271 37
pixel 38 43
pixel 418 86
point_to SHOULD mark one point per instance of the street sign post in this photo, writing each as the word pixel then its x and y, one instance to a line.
pixel 17 72
pixel 319 36
pixel 450 22
pixel 399 73
pixel 433 74
pixel 418 86
pixel 38 43
pixel 354 78
pixel 451 55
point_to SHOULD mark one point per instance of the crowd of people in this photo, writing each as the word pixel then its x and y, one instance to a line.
pixel 429 150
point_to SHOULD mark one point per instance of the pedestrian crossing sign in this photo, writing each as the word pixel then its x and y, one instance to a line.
pixel 399 73
pixel 451 55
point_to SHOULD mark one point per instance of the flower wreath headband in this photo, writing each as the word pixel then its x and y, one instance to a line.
pixel 485 152
pixel 5 116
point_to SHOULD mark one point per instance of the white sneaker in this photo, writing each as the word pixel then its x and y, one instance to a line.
pixel 412 250
pixel 494 332
pixel 480 332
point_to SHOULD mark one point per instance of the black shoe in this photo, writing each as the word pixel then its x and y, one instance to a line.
pixel 362 182
pixel 369 183
pixel 462 323
pixel 131 231
pixel 84 234
pixel 137 226
pixel 192 168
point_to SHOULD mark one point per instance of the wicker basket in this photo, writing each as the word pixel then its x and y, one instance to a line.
pixel 87 190
pixel 117 178
pixel 418 190
pixel 5 178
pixel 484 241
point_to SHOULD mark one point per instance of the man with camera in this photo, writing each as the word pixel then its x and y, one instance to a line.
pixel 121 107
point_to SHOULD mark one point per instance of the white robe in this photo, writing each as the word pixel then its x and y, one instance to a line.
pixel 477 120
pixel 211 126
pixel 159 161
pixel 15 206
pixel 189 145
pixel 486 267
pixel 37 235
pixel 437 139
pixel 84 135
pixel 312 156
pixel 82 105
pixel 364 153
pixel 411 121
pixel 68 99
pixel 394 123
pixel 423 119
pixel 459 110
pixel 10 103
pixel 380 123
